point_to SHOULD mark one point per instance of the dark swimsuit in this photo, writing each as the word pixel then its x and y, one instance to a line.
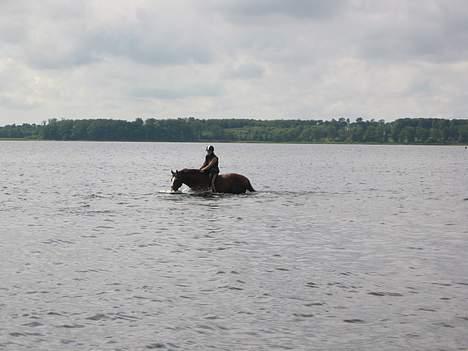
pixel 214 169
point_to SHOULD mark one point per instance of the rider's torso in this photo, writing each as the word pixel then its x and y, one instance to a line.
pixel 214 167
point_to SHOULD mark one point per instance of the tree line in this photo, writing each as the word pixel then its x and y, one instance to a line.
pixel 400 131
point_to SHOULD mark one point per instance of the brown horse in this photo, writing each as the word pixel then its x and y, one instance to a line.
pixel 225 183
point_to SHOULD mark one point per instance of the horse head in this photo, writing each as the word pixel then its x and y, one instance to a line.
pixel 177 180
pixel 194 178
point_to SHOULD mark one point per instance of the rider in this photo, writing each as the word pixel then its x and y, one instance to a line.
pixel 211 166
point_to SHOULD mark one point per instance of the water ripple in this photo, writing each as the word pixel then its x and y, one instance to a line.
pixel 342 248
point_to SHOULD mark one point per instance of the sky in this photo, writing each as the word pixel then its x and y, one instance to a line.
pixel 268 59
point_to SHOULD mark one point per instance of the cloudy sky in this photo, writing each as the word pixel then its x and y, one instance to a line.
pixel 233 58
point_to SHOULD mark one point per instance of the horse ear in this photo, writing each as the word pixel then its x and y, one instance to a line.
pixel 172 172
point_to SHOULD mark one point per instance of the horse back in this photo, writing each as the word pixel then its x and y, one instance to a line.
pixel 235 183
pixel 232 176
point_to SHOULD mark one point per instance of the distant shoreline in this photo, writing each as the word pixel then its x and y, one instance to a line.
pixel 229 142
pixel 405 131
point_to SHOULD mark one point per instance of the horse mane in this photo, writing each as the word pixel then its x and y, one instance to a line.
pixel 190 171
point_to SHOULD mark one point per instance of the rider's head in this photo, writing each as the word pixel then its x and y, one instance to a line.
pixel 210 149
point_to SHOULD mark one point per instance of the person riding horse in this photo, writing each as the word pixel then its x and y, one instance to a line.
pixel 196 179
pixel 211 166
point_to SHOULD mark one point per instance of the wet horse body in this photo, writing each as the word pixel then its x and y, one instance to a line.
pixel 225 183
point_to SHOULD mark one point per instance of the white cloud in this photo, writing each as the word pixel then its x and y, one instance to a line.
pixel 236 58
pixel 245 71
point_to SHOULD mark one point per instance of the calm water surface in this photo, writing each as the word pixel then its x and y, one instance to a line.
pixel 342 248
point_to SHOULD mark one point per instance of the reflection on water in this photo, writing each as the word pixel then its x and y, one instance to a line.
pixel 342 247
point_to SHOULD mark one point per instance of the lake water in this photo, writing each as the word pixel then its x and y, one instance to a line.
pixel 343 247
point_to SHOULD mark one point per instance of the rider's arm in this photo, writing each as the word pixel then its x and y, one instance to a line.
pixel 209 165
pixel 204 164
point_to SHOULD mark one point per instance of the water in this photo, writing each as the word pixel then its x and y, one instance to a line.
pixel 342 248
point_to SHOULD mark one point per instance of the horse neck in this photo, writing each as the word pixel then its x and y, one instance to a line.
pixel 192 180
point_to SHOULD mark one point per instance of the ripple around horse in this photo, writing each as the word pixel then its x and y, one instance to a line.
pixel 231 183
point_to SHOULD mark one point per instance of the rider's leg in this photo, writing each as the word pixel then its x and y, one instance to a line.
pixel 213 179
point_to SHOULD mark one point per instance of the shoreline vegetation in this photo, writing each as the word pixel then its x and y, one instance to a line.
pixel 423 131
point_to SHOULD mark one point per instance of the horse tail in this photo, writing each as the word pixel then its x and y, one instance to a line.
pixel 249 186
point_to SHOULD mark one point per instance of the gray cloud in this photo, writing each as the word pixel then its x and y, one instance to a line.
pixel 177 92
pixel 435 34
pixel 245 71
pixel 148 45
pixel 65 35
pixel 315 9
pixel 307 58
